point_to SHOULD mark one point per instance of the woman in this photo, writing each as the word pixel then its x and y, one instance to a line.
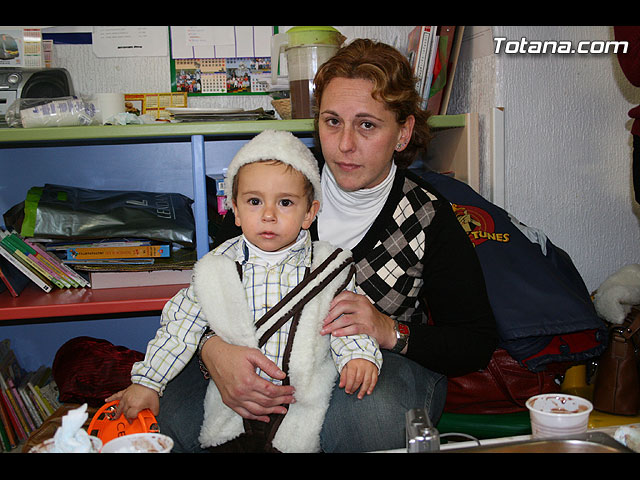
pixel 421 292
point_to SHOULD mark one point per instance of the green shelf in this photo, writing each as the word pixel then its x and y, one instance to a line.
pixel 10 136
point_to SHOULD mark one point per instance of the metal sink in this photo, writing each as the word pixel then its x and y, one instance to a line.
pixel 590 442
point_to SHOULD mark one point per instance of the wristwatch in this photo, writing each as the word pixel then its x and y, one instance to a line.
pixel 205 336
pixel 402 336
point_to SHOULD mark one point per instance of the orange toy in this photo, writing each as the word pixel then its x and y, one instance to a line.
pixel 106 428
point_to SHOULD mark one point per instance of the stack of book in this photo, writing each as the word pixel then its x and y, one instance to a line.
pixel 23 261
pixel 111 263
pixel 27 399
pixel 433 53
pixel 116 263
pixel 112 252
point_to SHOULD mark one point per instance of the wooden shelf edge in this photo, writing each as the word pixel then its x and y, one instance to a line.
pixel 185 129
pixel 33 303
pixel 155 130
pixel 448 121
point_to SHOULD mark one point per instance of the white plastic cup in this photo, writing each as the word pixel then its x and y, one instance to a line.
pixel 139 443
pixel 558 415
pixel 108 105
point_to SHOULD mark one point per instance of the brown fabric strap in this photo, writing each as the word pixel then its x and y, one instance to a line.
pixel 307 278
pixel 296 312
pixel 274 328
pixel 276 420
pixel 297 308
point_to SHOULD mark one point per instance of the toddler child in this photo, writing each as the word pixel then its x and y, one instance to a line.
pixel 269 288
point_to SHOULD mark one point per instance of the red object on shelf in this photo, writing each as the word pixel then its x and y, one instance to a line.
pixel 33 303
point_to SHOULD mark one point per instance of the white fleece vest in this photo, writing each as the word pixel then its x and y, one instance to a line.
pixel 312 371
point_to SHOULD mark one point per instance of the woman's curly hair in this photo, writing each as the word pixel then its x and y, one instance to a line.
pixel 393 83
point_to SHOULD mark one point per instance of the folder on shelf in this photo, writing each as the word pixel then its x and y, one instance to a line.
pixel 43 266
pixel 56 264
pixel 13 279
pixel 26 271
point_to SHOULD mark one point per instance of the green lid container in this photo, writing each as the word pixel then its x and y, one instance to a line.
pixel 314 35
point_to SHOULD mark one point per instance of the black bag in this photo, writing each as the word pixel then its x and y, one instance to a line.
pixel 57 211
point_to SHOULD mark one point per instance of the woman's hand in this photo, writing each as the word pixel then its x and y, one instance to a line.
pixel 233 369
pixel 351 313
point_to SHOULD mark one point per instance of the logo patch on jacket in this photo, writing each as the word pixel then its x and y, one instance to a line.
pixel 478 224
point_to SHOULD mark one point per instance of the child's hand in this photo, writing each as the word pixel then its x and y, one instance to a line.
pixel 359 373
pixel 134 399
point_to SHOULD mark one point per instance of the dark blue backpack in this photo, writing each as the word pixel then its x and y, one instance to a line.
pixel 542 307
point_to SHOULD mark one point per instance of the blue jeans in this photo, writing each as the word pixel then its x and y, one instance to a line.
pixel 377 422
pixel 182 409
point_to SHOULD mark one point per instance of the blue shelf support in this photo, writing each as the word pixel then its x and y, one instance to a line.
pixel 200 195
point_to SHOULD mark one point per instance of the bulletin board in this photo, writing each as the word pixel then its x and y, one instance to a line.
pixel 222 60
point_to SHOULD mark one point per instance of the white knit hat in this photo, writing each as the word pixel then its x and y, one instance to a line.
pixel 275 145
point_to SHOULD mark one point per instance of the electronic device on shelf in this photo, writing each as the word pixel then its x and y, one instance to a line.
pixel 18 83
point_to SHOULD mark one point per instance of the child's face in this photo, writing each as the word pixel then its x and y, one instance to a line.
pixel 271 205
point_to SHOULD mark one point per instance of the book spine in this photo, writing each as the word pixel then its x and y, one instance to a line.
pixel 5 444
pixel 15 427
pixel 39 401
pixel 73 276
pixel 37 268
pixel 11 440
pixel 63 247
pixel 26 428
pixel 8 284
pixel 33 411
pixel 97 253
pixel 54 272
pixel 423 57
pixel 49 402
pixel 13 414
pixel 45 286
pixel 29 426
pixel 433 52
pixel 39 413
pixel 30 258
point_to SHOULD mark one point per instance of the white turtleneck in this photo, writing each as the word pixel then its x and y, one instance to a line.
pixel 273 258
pixel 345 217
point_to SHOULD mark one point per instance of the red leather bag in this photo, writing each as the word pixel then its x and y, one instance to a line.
pixel 503 387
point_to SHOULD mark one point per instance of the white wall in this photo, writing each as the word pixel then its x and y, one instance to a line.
pixel 152 74
pixel 567 144
pixel 567 141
